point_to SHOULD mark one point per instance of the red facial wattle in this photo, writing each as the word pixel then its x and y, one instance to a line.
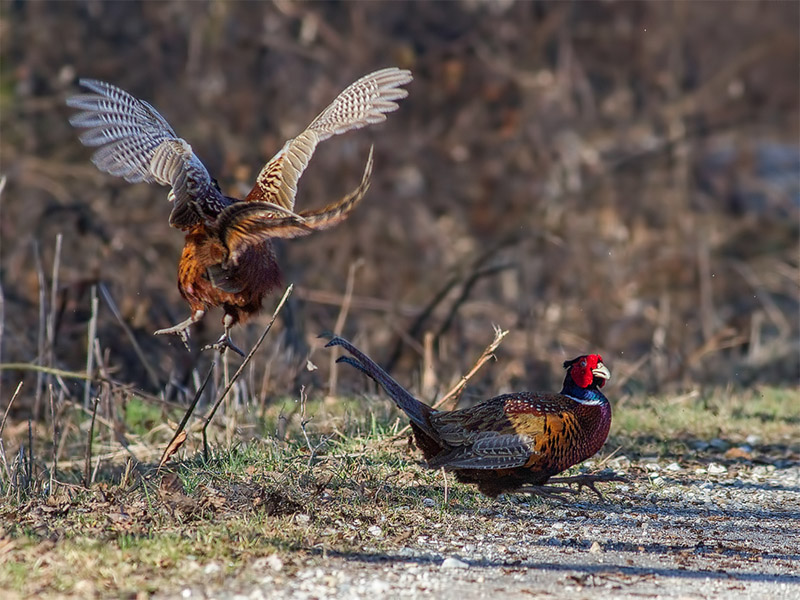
pixel 589 369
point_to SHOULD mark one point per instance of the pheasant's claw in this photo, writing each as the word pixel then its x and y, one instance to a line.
pixel 588 481
pixel 548 491
pixel 222 344
pixel 182 328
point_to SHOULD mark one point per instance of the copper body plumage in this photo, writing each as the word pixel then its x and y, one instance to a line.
pixel 228 259
pixel 514 442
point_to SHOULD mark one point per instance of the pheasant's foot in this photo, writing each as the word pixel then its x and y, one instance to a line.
pixel 182 328
pixel 588 481
pixel 548 491
pixel 222 344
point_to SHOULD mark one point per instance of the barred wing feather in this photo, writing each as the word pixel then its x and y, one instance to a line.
pixel 362 103
pixel 136 143
pixel 244 224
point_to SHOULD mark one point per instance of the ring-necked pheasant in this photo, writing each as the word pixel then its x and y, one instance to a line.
pixel 228 259
pixel 514 442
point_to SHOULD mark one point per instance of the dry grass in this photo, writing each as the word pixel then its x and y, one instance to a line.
pixel 135 530
pixel 612 177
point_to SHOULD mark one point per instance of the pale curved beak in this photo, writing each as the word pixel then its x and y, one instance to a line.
pixel 601 371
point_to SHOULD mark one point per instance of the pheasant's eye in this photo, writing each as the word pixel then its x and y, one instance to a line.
pixel 583 362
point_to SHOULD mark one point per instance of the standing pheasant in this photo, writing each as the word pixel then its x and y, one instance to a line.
pixel 228 259
pixel 514 442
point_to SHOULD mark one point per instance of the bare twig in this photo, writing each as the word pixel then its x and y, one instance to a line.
pixel 356 302
pixel 8 408
pixel 210 414
pixel 465 275
pixel 487 354
pixel 187 414
pixel 466 290
pixel 2 297
pixel 340 321
pixel 46 370
pixel 312 449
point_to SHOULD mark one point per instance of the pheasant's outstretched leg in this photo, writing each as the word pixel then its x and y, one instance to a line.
pixel 182 328
pixel 225 342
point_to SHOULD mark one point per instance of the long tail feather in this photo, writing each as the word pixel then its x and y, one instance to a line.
pixel 244 224
pixel 416 410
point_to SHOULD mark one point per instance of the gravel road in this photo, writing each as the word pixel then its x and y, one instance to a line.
pixel 672 531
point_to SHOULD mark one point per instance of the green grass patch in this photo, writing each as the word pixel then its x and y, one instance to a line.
pixel 327 481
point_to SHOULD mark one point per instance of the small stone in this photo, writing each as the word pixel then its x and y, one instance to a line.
pixel 673 467
pixel 428 502
pixel 302 519
pixel 375 531
pixel 453 563
pixel 658 481
pixel 715 469
pixel 212 568
pixel 274 562
pixel 719 444
pixel 186 593
pixel 742 452
pixel 595 548
pixel 378 587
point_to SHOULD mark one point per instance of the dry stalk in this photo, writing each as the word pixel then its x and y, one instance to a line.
pixel 333 372
pixel 40 336
pixel 55 441
pixel 92 334
pixel 210 414
pixel 30 451
pixel 151 372
pixel 51 318
pixel 171 449
pixel 8 408
pixel 87 464
pixel 455 391
pixel 2 297
pixel 487 354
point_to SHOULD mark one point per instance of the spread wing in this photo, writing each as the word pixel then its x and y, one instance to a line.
pixel 244 224
pixel 135 142
pixel 363 103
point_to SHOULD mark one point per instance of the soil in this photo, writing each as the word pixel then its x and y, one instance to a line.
pixel 671 531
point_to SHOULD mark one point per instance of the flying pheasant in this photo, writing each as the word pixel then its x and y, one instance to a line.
pixel 514 442
pixel 228 259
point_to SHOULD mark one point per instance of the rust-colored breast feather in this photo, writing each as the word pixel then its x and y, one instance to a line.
pixel 205 280
pixel 512 440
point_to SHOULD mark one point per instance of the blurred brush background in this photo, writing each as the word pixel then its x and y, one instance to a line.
pixel 616 177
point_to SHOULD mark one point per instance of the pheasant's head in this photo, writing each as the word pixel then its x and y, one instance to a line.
pixel 587 371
